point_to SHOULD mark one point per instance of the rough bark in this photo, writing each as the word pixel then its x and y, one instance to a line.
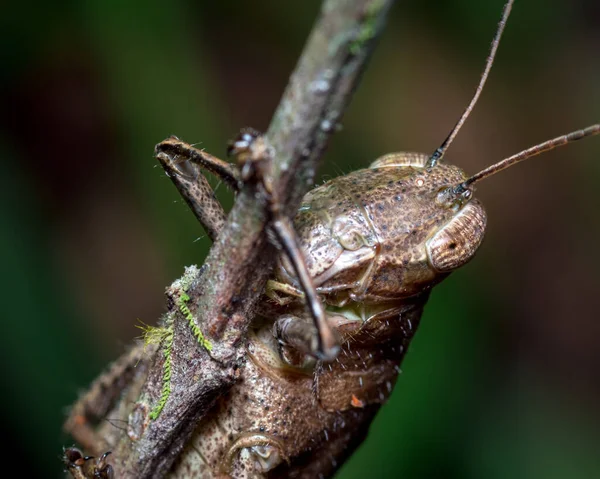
pixel 225 291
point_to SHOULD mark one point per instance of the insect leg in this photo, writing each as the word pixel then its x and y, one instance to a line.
pixel 296 333
pixel 87 467
pixel 182 152
pixel 326 346
pixel 182 163
pixel 282 293
pixel 94 405
pixel 255 155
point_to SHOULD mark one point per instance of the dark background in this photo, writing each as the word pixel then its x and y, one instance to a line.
pixel 503 377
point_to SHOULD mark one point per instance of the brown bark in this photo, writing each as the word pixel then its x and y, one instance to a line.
pixel 225 292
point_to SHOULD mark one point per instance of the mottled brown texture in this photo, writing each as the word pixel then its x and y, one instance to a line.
pixel 179 155
pixel 196 190
pixel 311 106
pixel 227 290
pixel 377 240
pixel 292 413
pixel 181 163
pixel 456 244
pixel 286 405
pixel 365 234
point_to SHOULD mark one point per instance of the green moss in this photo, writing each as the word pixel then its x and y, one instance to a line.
pixel 164 334
pixel 154 334
pixel 368 27
pixel 166 389
pixel 185 310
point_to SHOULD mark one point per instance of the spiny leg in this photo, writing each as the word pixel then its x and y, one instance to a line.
pixel 275 289
pixel 181 162
pixel 326 345
pixel 85 467
pixel 255 157
pixel 175 148
pixel 105 391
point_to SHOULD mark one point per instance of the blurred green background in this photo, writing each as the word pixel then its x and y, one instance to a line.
pixel 503 377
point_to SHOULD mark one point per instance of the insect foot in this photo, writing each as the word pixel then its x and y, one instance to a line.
pixel 298 341
pixel 84 467
pixel 253 154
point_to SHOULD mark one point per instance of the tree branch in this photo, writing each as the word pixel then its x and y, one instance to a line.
pixel 223 294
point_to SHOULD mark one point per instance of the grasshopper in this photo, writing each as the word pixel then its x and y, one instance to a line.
pixel 356 269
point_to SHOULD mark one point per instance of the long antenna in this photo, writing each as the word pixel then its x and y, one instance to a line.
pixel 528 153
pixel 439 153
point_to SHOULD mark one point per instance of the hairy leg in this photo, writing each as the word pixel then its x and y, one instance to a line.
pixel 94 405
pixel 182 163
pixel 224 170
pixel 181 160
pixel 255 156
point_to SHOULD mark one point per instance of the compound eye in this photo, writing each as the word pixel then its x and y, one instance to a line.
pixel 457 242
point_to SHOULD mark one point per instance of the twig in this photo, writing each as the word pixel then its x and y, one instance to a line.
pixel 224 294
